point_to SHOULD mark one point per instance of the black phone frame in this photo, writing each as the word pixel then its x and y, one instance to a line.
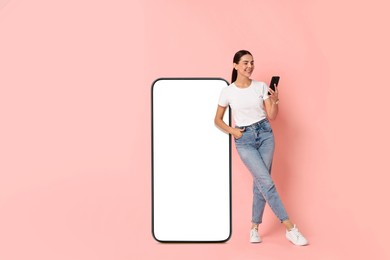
pixel 152 161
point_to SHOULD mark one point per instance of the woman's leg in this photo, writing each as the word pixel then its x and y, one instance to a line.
pixel 258 198
pixel 256 151
pixel 266 151
pixel 252 158
pixel 258 206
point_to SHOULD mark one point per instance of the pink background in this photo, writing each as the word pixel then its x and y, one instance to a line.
pixel 75 77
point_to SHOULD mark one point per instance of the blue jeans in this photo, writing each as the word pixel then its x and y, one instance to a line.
pixel 256 150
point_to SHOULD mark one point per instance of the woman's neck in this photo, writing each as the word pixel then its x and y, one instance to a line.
pixel 243 82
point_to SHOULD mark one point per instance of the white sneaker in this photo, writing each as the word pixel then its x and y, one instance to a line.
pixel 296 237
pixel 254 236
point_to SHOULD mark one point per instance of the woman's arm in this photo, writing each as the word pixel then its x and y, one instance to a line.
pixel 218 120
pixel 272 108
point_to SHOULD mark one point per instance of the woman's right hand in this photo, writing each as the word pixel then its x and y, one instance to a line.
pixel 237 132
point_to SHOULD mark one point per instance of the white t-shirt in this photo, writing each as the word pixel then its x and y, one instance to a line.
pixel 247 104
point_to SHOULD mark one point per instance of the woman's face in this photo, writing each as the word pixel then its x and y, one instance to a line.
pixel 245 66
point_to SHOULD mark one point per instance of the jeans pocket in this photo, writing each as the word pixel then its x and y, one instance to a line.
pixel 235 139
pixel 241 139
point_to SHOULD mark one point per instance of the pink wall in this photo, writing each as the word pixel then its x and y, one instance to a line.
pixel 75 82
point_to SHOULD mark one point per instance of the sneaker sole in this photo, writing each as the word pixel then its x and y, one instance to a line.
pixel 296 244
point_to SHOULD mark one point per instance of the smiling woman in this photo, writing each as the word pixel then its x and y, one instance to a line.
pixel 254 139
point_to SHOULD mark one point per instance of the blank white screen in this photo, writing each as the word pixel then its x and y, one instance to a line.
pixel 191 162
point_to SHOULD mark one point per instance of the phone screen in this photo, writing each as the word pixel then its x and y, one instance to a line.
pixel 191 162
pixel 274 81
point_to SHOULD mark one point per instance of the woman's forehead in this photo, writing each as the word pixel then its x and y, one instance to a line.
pixel 246 57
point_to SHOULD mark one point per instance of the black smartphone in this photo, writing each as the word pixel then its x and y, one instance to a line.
pixel 274 81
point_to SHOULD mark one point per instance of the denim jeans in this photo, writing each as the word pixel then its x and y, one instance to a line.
pixel 256 150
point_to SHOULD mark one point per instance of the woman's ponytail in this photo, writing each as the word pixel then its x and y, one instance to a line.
pixel 234 75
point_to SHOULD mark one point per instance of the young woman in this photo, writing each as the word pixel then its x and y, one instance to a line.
pixel 254 140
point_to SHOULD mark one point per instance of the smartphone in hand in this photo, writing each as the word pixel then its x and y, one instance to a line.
pixel 274 81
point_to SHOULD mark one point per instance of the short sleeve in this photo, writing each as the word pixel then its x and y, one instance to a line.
pixel 265 91
pixel 223 100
